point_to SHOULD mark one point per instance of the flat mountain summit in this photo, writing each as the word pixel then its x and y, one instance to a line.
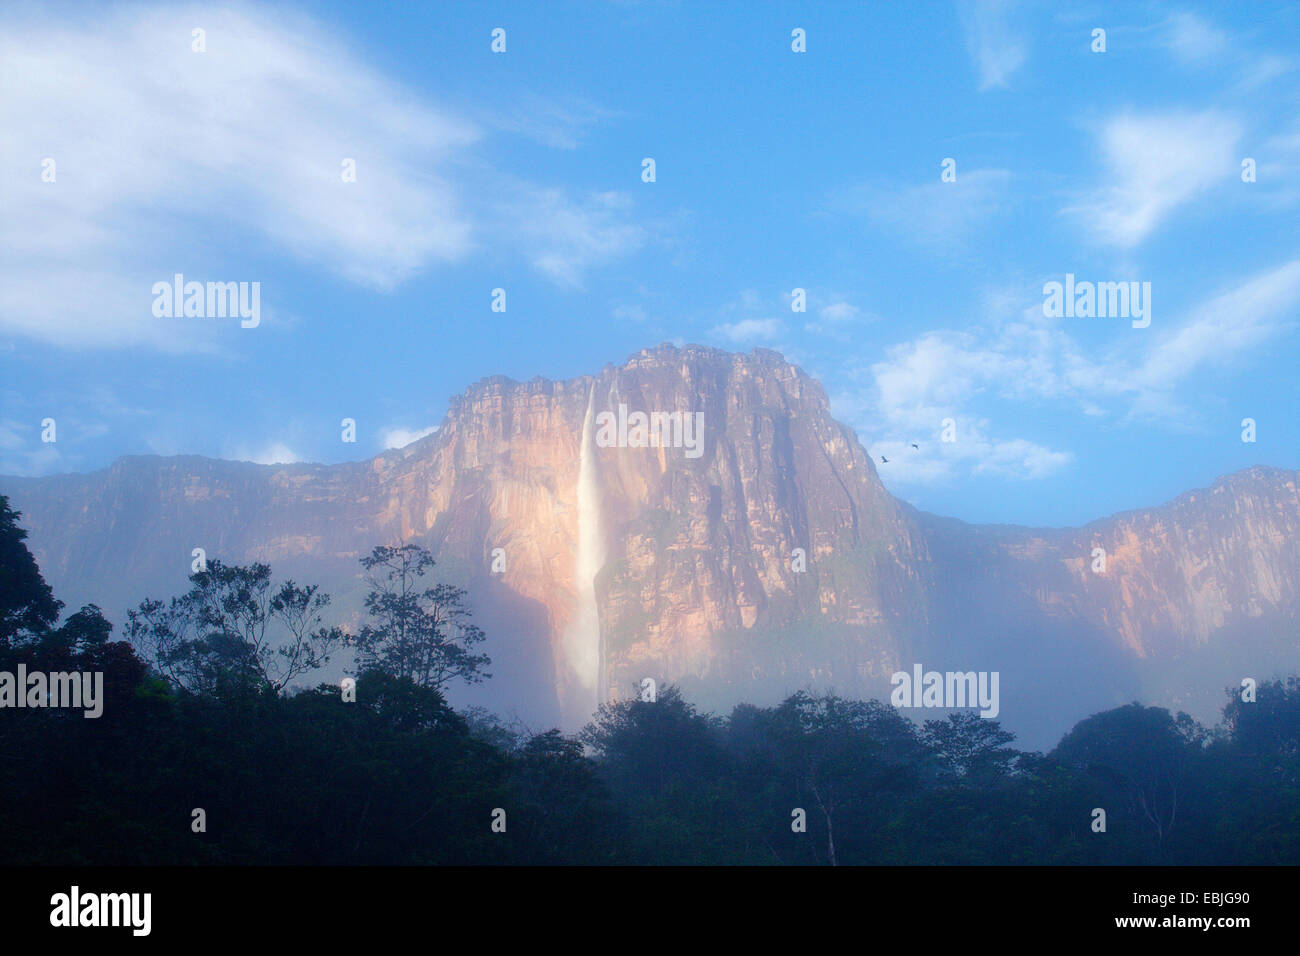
pixel 759 553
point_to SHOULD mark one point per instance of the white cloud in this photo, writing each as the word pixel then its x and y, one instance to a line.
pixel 934 213
pixel 1030 359
pixel 11 435
pixel 749 330
pixel 399 437
pixel 996 47
pixel 942 375
pixel 32 459
pixel 1154 164
pixel 973 452
pixel 23 453
pixel 1018 458
pixel 560 124
pixel 922 381
pixel 167 158
pixel 273 453
pixel 157 146
pixel 1197 43
pixel 564 236
pixel 1262 68
pixel 1232 323
pixel 838 312
pixel 79 411
pixel 1192 39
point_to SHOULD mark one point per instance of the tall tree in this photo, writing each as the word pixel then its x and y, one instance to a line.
pixel 418 632
pixel 1269 724
pixel 234 628
pixel 27 605
pixel 972 748
pixel 1144 754
pixel 843 757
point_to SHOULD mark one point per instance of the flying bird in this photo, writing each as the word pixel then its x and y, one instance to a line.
pixel 915 445
pixel 884 460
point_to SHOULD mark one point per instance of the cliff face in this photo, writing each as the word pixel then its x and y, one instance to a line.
pixel 736 540
pixel 1192 597
pixel 1163 581
pixel 774 555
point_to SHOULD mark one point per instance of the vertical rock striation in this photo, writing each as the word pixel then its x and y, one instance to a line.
pixel 766 558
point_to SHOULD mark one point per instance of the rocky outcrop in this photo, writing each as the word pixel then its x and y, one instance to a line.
pixel 747 548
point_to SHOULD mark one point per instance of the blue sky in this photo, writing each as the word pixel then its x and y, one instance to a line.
pixel 775 170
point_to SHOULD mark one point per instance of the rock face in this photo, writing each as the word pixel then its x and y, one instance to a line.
pixel 749 556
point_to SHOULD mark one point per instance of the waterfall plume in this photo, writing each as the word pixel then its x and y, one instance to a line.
pixel 582 639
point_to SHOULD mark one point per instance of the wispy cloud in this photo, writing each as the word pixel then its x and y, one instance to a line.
pixel 243 146
pixel 81 412
pixel 837 318
pixel 972 452
pixel 1192 39
pixel 839 311
pixel 941 376
pixel 558 123
pixel 1028 358
pixel 272 453
pixel 23 453
pixel 749 330
pixel 565 235
pixel 1155 163
pixel 934 213
pixel 997 47
pixel 250 135
pixel 1232 323
pixel 1197 43
pixel 399 437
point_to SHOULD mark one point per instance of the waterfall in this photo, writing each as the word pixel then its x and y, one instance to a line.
pixel 582 640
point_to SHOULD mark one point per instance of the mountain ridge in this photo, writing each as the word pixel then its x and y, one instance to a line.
pixel 702 583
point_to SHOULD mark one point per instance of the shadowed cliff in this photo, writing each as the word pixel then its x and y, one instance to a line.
pixel 766 558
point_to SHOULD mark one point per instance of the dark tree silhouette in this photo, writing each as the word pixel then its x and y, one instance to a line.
pixel 1143 754
pixel 397 776
pixel 423 634
pixel 972 747
pixel 234 629
pixel 27 605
